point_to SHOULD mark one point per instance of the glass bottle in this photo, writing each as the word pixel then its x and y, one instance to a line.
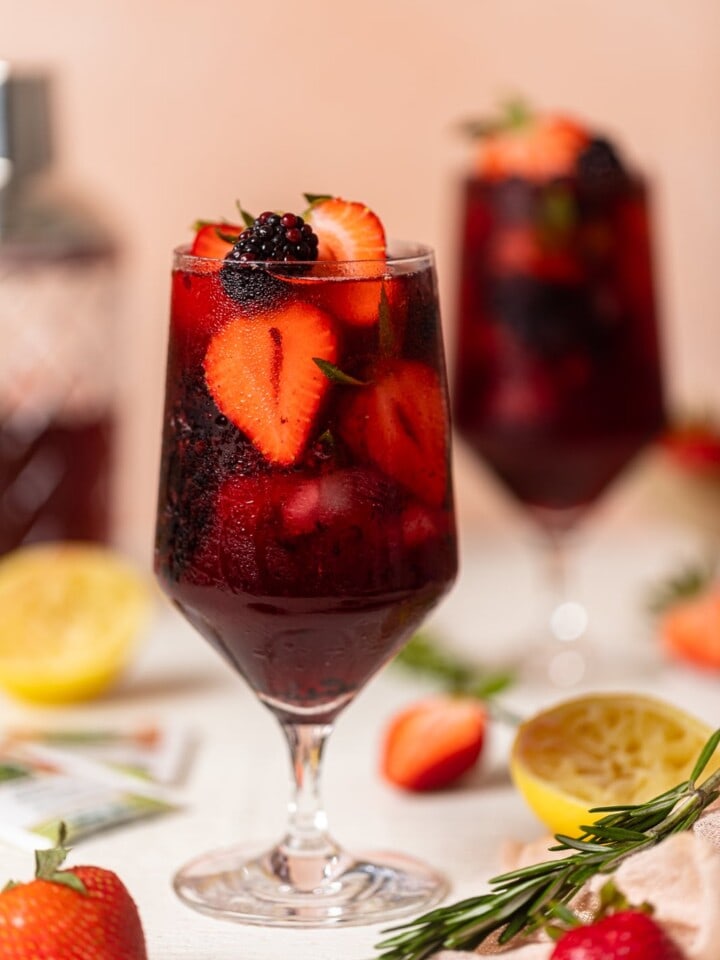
pixel 57 304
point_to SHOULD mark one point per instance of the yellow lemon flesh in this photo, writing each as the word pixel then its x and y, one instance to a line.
pixel 70 615
pixel 601 750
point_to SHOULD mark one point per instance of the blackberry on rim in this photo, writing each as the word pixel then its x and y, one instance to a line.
pixel 273 237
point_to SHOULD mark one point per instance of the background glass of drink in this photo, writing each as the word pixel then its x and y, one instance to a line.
pixel 307 569
pixel 557 374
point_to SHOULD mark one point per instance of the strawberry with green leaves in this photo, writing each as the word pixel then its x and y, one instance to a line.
pixel 618 931
pixel 82 913
pixel 522 143
pixel 627 935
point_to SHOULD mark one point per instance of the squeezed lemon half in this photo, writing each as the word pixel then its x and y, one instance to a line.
pixel 600 750
pixel 70 615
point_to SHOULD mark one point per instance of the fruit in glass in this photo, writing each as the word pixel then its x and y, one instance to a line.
pixel 557 376
pixel 305 517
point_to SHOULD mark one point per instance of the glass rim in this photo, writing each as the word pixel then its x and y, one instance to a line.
pixel 402 253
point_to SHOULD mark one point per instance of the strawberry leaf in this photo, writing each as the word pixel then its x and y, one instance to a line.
pixel 227 237
pixel 67 878
pixel 48 863
pixel 314 198
pixel 687 582
pixel 247 218
pixel 513 115
pixel 336 375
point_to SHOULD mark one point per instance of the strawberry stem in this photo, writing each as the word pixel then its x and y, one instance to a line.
pixel 48 863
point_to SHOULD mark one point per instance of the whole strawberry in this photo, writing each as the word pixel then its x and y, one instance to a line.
pixel 81 914
pixel 627 935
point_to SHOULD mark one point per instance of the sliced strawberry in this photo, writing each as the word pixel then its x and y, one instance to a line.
pixel 432 743
pixel 695 447
pixel 260 372
pixel 519 249
pixel 358 301
pixel 691 629
pixel 347 230
pixel 538 148
pixel 211 240
pixel 399 423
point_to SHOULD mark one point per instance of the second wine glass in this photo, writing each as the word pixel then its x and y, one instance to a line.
pixel 557 377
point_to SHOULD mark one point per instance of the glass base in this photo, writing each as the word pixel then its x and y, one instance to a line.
pixel 280 889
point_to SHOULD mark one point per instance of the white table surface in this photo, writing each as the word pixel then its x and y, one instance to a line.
pixel 237 786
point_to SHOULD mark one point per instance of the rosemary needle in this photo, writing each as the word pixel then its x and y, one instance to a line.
pixel 524 900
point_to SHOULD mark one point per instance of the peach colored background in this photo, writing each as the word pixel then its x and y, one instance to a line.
pixel 169 109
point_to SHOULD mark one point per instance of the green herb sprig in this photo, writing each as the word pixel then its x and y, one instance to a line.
pixel 524 900
pixel 684 584
pixel 425 656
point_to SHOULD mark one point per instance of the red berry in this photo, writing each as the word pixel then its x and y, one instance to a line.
pixel 49 918
pixel 432 743
pixel 627 935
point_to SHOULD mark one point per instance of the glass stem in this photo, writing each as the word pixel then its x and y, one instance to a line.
pixel 307 821
pixel 307 858
pixel 556 568
pixel 568 619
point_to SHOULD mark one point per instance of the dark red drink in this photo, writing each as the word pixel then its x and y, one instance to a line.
pixel 54 481
pixel 305 522
pixel 558 381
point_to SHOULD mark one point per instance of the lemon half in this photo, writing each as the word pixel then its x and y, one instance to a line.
pixel 70 615
pixel 601 750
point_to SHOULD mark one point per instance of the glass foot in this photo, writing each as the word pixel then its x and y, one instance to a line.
pixel 277 889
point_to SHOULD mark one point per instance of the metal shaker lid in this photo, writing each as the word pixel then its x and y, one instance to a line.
pixel 25 123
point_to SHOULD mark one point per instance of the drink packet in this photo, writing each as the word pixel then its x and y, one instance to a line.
pixel 42 786
pixel 160 754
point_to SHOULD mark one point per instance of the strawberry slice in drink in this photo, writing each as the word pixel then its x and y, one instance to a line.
pixel 397 422
pixel 260 372
pixel 350 231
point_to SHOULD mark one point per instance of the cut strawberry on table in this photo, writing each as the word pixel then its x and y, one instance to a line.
pixel 690 629
pixel 695 447
pixel 84 913
pixel 433 742
pixel 397 422
pixel 347 230
pixel 214 240
pixel 260 372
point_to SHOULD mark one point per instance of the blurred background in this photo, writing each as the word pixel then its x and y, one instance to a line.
pixel 166 112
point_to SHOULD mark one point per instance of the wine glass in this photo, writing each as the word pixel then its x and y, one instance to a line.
pixel 305 528
pixel 557 375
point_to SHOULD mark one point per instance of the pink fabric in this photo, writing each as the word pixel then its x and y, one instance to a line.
pixel 680 877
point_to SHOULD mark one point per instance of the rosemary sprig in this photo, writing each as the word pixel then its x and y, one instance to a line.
pixel 424 656
pixel 684 584
pixel 524 900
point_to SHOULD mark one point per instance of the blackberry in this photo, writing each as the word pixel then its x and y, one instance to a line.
pixel 552 319
pixel 273 237
pixel 276 237
pixel 599 162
